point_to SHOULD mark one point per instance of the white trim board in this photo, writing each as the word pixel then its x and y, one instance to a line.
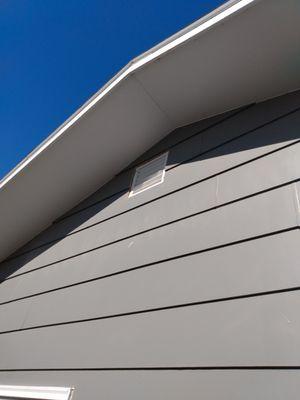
pixel 35 392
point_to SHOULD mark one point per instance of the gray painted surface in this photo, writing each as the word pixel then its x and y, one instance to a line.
pixel 267 265
pixel 253 331
pixel 231 198
pixel 170 385
pixel 256 143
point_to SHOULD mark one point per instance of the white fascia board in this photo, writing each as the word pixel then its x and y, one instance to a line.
pixel 217 16
pixel 35 392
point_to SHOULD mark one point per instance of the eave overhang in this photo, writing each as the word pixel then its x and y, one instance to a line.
pixel 245 51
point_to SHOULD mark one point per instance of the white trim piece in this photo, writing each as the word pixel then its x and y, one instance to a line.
pixel 149 174
pixel 35 392
pixel 216 16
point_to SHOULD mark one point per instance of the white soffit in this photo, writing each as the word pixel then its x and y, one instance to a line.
pixel 243 52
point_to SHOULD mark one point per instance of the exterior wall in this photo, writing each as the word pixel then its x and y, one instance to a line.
pixel 187 289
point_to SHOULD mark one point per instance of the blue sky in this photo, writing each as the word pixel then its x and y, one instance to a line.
pixel 55 54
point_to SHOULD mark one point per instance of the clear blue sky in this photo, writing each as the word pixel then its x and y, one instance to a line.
pixel 55 54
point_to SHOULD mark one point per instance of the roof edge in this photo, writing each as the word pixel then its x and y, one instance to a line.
pixel 176 40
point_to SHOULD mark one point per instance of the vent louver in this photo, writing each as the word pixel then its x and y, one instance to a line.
pixel 150 174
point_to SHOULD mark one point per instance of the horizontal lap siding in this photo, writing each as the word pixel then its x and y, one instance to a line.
pixel 150 215
pixel 268 264
pixel 253 143
pixel 216 227
pixel 201 271
pixel 253 331
pixel 162 385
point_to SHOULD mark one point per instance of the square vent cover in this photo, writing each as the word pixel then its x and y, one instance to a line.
pixel 150 174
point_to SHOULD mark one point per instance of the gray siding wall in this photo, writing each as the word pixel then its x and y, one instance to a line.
pixel 187 290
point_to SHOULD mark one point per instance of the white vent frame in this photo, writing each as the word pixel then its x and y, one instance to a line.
pixel 35 392
pixel 137 188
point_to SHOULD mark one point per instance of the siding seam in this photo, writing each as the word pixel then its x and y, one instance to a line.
pixel 216 175
pixel 190 159
pixel 152 264
pixel 155 309
pixel 157 227
pixel 297 201
pixel 167 368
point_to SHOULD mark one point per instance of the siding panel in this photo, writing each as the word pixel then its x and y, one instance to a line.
pixel 264 173
pixel 252 217
pixel 139 219
pixel 233 222
pixel 162 385
pixel 257 331
pixel 262 265
pixel 241 247
pixel 256 143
